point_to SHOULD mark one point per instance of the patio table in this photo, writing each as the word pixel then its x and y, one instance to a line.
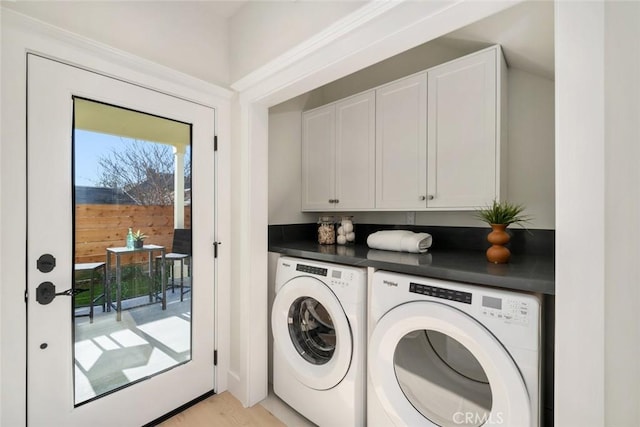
pixel 117 253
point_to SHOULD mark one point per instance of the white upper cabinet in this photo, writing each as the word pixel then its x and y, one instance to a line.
pixel 318 158
pixel 355 152
pixel 401 144
pixel 462 120
pixel 338 155
pixel 430 141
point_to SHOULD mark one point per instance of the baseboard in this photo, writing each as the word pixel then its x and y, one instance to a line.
pixel 182 408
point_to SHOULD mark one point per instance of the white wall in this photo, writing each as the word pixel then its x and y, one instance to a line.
pixel 248 370
pixel 262 30
pixel 622 212
pixel 184 36
pixel 1 221
pixel 580 215
pixel 285 184
pixel 411 61
pixel 12 244
pixel 531 145
pixel 597 369
pixel 530 155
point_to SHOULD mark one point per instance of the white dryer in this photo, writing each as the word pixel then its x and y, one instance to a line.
pixel 318 321
pixel 448 354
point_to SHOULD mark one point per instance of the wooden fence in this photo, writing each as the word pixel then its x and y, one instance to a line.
pixel 99 227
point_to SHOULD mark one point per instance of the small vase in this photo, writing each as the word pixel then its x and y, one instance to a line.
pixel 138 244
pixel 498 253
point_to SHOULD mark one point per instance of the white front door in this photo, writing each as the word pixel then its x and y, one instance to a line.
pixel 90 363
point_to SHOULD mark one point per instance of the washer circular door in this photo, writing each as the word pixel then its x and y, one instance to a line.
pixel 312 333
pixel 431 364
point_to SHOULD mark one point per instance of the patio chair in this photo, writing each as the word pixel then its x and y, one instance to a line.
pixel 180 251
pixel 92 268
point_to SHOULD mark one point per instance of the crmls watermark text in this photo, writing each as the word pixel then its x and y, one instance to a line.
pixel 475 418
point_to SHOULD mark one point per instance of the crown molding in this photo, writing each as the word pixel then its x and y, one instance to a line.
pixel 332 33
pixel 371 34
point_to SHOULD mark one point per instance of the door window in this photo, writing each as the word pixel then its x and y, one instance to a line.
pixel 132 247
pixel 311 330
pixel 442 379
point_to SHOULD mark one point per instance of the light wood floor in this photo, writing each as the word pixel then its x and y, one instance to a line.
pixel 223 410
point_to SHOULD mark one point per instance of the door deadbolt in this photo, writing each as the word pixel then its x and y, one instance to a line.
pixel 46 263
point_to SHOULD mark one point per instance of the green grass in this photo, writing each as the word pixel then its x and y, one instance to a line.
pixel 135 283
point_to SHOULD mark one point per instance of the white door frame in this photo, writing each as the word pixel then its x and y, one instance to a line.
pixel 19 36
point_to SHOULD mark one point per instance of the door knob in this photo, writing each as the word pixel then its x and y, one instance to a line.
pixel 46 292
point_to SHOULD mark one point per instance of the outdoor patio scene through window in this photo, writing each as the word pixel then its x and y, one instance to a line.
pixel 132 213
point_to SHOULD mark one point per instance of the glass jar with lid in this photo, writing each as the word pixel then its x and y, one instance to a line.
pixel 326 230
pixel 346 233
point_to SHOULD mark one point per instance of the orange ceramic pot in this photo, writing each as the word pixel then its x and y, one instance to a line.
pixel 498 253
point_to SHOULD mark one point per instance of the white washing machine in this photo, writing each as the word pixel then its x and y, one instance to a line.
pixel 319 329
pixel 448 354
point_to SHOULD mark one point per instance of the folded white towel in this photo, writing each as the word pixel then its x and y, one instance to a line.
pixel 400 241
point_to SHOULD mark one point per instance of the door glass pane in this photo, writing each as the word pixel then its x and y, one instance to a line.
pixel 132 247
pixel 311 330
pixel 442 379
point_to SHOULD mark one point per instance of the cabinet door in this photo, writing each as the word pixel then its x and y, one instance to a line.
pixel 318 158
pixel 462 145
pixel 401 144
pixel 355 152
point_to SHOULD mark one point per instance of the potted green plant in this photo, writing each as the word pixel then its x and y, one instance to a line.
pixel 499 215
pixel 138 239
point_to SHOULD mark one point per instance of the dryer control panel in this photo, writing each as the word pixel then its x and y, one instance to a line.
pixel 437 292
pixel 508 309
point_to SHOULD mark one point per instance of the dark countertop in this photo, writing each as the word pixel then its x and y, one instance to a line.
pixel 531 272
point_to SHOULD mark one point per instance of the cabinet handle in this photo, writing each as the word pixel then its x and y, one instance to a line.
pixel 423 198
pixel 330 200
pixel 431 197
pixel 336 201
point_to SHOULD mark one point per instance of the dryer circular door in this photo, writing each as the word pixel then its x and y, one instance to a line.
pixel 432 364
pixel 312 333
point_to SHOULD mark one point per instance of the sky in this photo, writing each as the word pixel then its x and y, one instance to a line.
pixel 89 147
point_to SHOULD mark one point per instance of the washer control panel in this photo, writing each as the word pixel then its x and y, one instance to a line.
pixel 341 278
pixel 319 271
pixel 336 276
pixel 511 310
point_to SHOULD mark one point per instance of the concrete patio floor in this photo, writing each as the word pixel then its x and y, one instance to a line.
pixel 110 354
